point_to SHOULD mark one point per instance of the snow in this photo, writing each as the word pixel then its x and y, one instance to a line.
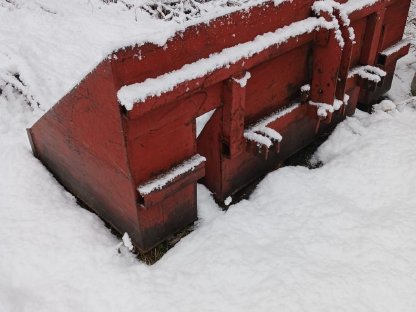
pixel 243 81
pixel 407 65
pixel 260 131
pixel 401 84
pixel 139 92
pixel 202 120
pixel 367 72
pixel 52 60
pixel 258 138
pixel 329 7
pixel 164 179
pixel 228 200
pixel 353 5
pixel 305 88
pixel 323 108
pixel 127 241
pixel 184 11
pixel 395 48
pixel 340 237
pixel 338 104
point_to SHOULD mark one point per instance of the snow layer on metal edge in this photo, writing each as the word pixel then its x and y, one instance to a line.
pixel 355 5
pixel 138 92
pixel 368 72
pixel 330 6
pixel 163 179
pixel 323 108
pixel 262 134
pixel 396 47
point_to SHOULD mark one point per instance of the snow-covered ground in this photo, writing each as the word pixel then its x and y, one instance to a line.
pixel 338 238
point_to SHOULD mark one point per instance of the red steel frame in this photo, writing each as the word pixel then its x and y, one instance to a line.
pixel 102 152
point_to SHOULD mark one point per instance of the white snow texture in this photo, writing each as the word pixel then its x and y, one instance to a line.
pixel 341 237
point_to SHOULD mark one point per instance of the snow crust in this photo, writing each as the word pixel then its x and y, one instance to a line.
pixel 188 10
pixel 139 92
pixel 162 180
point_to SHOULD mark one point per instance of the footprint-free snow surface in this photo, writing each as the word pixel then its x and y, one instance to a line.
pixel 341 237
